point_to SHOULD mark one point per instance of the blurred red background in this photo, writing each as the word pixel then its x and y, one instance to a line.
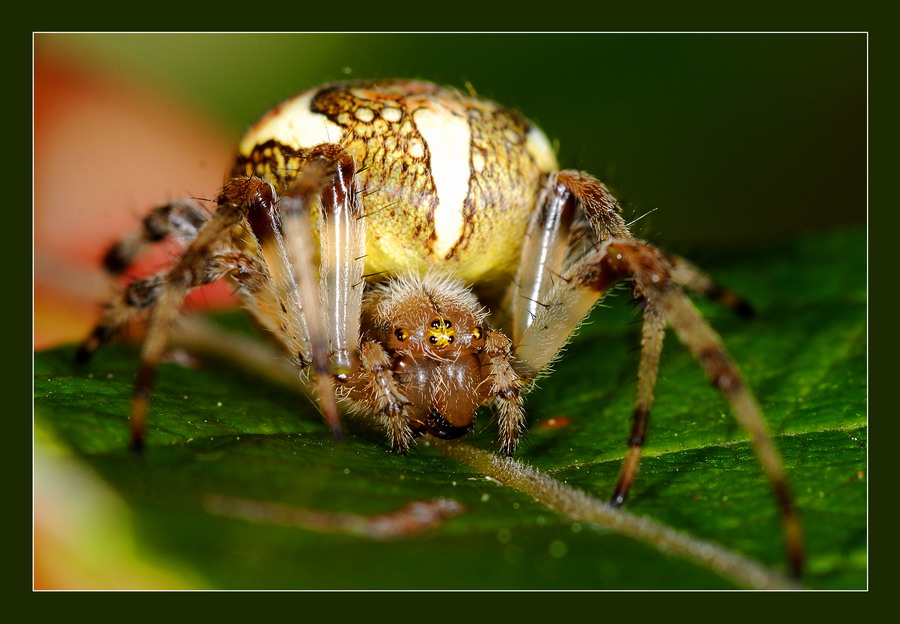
pixel 106 151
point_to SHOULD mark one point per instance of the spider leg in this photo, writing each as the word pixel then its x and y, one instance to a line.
pixel 280 228
pixel 591 277
pixel 191 269
pixel 652 332
pixel 551 237
pixel 134 299
pixel 255 288
pixel 693 278
pixel 564 302
pixel 342 236
pixel 505 389
pixel 181 218
pixel 248 217
pixel 543 252
pixel 637 260
pixel 386 395
pixel 556 236
pixel 142 293
pixel 331 311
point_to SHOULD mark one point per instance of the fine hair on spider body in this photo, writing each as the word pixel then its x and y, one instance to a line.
pixel 417 252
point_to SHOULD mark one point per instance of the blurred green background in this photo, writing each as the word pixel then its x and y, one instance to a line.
pixel 726 139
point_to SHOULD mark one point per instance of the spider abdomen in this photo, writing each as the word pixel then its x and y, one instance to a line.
pixel 448 179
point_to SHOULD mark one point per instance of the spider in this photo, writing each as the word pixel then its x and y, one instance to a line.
pixel 416 252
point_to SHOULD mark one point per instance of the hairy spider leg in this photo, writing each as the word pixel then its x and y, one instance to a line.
pixel 504 390
pixel 384 393
pixel 210 255
pixel 180 219
pixel 567 197
pixel 557 236
pixel 543 253
pixel 691 277
pixel 333 308
pixel 141 294
pixel 565 301
pixel 192 268
pixel 320 303
pixel 652 334
pixel 275 274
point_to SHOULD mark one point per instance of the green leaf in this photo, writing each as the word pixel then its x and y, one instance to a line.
pixel 218 431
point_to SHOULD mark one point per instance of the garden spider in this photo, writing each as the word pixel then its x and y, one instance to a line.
pixel 416 253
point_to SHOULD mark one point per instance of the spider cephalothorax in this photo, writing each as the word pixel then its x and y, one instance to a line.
pixel 433 330
pixel 416 253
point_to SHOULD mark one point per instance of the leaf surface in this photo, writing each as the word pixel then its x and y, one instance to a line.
pixel 216 431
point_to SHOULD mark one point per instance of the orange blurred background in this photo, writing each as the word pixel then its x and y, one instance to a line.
pixel 106 151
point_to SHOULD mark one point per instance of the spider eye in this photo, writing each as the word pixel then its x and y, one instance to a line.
pixel 476 333
pixel 441 332
pixel 401 334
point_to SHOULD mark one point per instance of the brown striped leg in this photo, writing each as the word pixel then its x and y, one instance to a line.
pixel 543 326
pixel 651 345
pixel 693 278
pixel 281 229
pixel 134 299
pixel 328 179
pixel 189 270
pixel 591 277
pixel 141 294
pixel 505 389
pixel 180 219
pixel 385 394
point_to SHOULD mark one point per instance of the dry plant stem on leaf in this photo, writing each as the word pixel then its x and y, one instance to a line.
pixel 416 252
pixel 415 518
pixel 580 507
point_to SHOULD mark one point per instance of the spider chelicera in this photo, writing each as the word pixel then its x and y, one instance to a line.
pixel 416 252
